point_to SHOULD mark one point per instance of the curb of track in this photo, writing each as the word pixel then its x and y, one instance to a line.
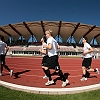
pixel 59 91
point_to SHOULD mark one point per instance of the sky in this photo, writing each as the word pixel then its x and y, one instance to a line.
pixel 83 11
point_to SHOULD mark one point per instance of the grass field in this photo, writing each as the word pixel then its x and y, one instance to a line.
pixel 8 94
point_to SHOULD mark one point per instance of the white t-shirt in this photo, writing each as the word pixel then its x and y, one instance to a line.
pixel 86 48
pixel 2 47
pixel 53 51
pixel 44 49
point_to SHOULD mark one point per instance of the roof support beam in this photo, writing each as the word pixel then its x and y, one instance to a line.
pixel 42 25
pixel 27 28
pixel 59 29
pixel 15 30
pixel 4 31
pixel 96 35
pixel 89 31
pixel 75 29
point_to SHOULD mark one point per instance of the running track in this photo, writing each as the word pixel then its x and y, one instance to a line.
pixel 28 72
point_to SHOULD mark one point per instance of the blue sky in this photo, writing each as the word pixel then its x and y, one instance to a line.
pixel 83 11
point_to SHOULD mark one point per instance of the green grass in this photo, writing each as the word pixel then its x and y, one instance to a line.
pixel 8 94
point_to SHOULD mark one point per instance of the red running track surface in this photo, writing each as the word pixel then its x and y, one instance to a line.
pixel 28 72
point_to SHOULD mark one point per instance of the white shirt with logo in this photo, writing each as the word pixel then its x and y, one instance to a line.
pixel 86 48
pixel 2 48
pixel 44 49
pixel 53 42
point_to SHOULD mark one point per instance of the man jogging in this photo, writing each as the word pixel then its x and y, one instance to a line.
pixel 3 50
pixel 87 59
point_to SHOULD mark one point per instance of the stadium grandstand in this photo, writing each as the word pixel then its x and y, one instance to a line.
pixel 24 38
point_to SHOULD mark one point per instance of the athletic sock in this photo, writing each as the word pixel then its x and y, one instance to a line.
pixel 44 71
pixel 84 75
pixel 1 68
pixel 7 67
pixel 61 76
pixel 95 70
pixel 48 74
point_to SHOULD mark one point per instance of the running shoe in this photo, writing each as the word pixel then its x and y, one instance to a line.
pixel 0 74
pixel 97 71
pixel 11 73
pixel 49 82
pixel 65 83
pixel 45 77
pixel 83 79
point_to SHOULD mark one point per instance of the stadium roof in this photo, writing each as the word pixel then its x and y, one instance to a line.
pixel 38 28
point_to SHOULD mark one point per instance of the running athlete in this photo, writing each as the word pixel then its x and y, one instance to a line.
pixel 44 54
pixel 52 60
pixel 3 50
pixel 87 59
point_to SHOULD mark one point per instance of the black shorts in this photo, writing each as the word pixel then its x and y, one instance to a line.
pixel 52 62
pixel 44 60
pixel 87 62
pixel 2 59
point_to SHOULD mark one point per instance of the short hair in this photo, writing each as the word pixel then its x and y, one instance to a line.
pixel 1 37
pixel 85 39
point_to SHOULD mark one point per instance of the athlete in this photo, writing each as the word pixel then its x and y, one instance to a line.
pixel 87 59
pixel 52 60
pixel 44 54
pixel 3 50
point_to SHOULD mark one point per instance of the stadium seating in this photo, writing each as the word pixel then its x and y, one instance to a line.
pixel 34 50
